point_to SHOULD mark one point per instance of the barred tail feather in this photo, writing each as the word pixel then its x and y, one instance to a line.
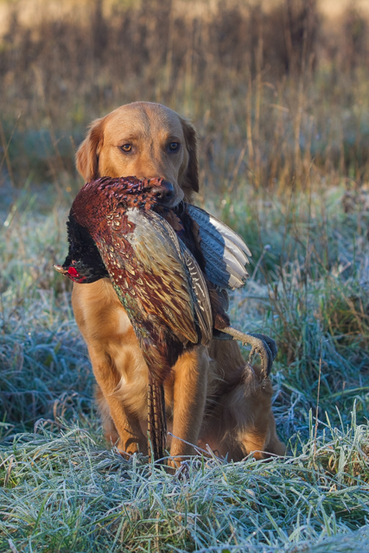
pixel 157 423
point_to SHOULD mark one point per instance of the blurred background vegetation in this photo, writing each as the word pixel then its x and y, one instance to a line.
pixel 277 90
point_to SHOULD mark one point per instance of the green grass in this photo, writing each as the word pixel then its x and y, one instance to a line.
pixel 63 489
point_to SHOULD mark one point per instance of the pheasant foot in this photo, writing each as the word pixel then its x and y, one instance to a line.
pixel 260 343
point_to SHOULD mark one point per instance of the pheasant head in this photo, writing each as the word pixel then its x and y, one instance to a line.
pixel 84 263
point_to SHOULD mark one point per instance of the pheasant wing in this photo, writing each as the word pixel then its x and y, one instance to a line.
pixel 225 253
pixel 196 283
pixel 196 279
pixel 143 258
pixel 200 295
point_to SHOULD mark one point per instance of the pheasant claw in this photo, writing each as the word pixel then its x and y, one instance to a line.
pixel 260 343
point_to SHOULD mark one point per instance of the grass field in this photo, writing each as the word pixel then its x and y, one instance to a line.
pixel 283 137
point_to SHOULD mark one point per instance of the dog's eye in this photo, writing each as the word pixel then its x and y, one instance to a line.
pixel 174 146
pixel 126 148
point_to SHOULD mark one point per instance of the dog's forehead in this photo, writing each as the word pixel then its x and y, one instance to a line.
pixel 144 120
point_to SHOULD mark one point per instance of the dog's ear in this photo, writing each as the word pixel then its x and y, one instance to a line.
pixel 87 156
pixel 191 176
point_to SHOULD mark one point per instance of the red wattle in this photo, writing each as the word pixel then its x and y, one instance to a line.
pixel 73 272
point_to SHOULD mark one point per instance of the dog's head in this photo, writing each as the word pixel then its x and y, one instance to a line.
pixel 144 140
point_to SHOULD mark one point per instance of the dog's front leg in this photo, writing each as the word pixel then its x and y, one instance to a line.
pixel 125 425
pixel 190 388
pixel 117 363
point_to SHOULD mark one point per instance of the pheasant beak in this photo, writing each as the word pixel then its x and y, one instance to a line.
pixel 60 269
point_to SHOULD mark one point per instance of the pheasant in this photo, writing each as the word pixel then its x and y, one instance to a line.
pixel 169 268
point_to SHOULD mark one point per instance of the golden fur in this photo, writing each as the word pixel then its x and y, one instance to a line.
pixel 210 399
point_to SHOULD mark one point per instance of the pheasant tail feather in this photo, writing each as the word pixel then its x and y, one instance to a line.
pixel 157 423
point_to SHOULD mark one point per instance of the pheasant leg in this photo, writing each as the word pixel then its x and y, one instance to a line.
pixel 261 344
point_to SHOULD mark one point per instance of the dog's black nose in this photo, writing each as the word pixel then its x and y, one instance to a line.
pixel 165 192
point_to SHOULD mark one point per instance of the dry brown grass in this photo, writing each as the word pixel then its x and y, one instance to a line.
pixel 278 96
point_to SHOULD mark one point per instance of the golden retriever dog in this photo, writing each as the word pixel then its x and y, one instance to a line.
pixel 213 398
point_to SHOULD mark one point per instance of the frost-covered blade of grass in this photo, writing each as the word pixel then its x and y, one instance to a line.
pixel 44 367
pixel 65 493
pixel 64 490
